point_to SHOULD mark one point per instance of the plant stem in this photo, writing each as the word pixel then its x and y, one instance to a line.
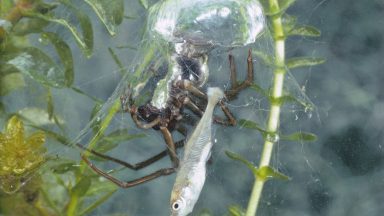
pixel 274 115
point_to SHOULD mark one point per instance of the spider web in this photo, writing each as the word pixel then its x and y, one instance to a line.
pixel 250 105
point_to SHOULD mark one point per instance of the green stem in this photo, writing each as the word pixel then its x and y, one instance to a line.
pixel 274 115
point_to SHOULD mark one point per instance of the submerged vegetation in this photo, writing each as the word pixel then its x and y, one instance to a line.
pixel 35 181
pixel 19 155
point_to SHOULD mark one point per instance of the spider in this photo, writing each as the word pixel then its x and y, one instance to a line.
pixel 184 92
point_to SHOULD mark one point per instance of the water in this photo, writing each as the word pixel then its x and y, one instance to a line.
pixel 345 162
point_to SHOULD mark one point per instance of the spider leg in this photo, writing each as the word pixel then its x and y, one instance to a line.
pixel 182 130
pixel 127 184
pixel 235 87
pixel 171 145
pixel 193 107
pixel 143 125
pixel 136 166
pixel 154 175
pixel 187 85
pixel 199 112
pixel 233 73
pixel 230 118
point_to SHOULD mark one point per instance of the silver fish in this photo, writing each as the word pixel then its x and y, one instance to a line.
pixel 191 174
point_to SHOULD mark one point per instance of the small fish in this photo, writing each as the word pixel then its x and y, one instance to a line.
pixel 191 174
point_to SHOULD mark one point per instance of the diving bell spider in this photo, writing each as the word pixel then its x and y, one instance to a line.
pixel 184 93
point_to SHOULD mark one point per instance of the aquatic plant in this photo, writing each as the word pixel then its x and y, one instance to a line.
pixel 20 155
pixel 35 63
pixel 281 26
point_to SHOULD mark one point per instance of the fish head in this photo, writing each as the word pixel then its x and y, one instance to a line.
pixel 184 198
pixel 182 201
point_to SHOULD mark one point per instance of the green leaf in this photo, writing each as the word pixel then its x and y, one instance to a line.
pixel 37 116
pixel 81 188
pixel 267 172
pixel 29 26
pixel 121 135
pixel 300 137
pixel 104 123
pixel 65 54
pixel 102 147
pixel 99 186
pixel 50 106
pixel 236 210
pixel 306 31
pixel 11 82
pixel 35 63
pixel 240 158
pixel 84 40
pixel 111 13
pixel 258 89
pixel 144 3
pixel 64 167
pixel 96 122
pixel 304 62
pixel 290 98
pixel 289 22
pixel 285 4
pixel 98 202
pixel 122 69
pixel 96 100
pixel 86 44
pixel 251 125
pixel 267 59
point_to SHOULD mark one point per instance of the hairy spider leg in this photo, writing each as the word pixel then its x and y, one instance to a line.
pixel 187 85
pixel 171 146
pixel 164 130
pixel 235 87
pixel 137 166
pixel 127 184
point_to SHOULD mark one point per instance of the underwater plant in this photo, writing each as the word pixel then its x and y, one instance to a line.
pixel 282 26
pixel 20 155
pixel 36 62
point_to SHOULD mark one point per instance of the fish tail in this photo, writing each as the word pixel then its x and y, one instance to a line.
pixel 215 94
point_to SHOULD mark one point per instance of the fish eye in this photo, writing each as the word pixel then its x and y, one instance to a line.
pixel 176 206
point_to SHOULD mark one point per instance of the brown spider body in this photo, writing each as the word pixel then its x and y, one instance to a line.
pixel 189 70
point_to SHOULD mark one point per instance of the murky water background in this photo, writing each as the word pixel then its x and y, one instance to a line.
pixel 340 174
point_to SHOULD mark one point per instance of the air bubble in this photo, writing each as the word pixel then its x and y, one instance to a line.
pixel 209 22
